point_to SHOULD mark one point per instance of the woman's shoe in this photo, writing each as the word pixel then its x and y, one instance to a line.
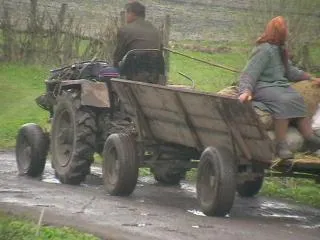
pixel 283 150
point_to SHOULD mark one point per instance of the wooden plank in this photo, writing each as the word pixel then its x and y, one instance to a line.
pixel 259 151
pixel 143 125
pixel 180 134
pixel 168 121
pixel 215 123
pixel 234 131
pixel 190 124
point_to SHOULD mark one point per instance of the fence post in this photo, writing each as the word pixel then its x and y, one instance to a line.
pixel 165 42
pixel 122 18
pixel 32 32
pixel 33 15
pixel 64 51
pixel 62 15
pixel 7 35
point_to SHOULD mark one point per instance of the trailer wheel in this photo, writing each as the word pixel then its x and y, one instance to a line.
pixel 216 181
pixel 73 138
pixel 32 146
pixel 168 178
pixel 120 164
pixel 252 187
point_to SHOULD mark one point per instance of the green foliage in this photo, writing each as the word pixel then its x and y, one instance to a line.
pixel 12 228
pixel 300 190
pixel 19 86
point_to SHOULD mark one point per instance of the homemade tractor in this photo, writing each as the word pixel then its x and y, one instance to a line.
pixel 142 123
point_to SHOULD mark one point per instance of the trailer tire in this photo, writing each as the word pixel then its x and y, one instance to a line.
pixel 73 138
pixel 32 146
pixel 168 178
pixel 120 168
pixel 251 187
pixel 216 181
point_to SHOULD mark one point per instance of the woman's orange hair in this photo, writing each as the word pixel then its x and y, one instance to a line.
pixel 276 32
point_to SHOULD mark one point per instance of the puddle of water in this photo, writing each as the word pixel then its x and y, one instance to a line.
pixel 96 171
pixel 202 226
pixel 188 187
pixel 17 201
pixel 274 205
pixel 311 226
pixel 136 224
pixel 12 191
pixel 196 212
pixel 147 179
pixel 50 179
pixel 285 216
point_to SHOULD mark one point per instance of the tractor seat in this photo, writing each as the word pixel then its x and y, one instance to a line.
pixel 143 65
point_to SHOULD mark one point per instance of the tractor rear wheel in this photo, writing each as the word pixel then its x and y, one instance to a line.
pixel 73 138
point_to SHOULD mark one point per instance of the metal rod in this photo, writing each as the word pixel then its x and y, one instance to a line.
pixel 202 61
pixel 189 78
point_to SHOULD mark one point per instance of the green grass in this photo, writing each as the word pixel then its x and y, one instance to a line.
pixel 19 86
pixel 207 78
pixel 13 228
pixel 299 190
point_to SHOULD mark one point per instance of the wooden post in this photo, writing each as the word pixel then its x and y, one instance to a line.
pixel 122 18
pixel 65 51
pixel 165 42
pixel 33 15
pixel 32 32
pixel 7 35
pixel 62 15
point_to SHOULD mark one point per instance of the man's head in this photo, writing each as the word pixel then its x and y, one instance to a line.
pixel 135 10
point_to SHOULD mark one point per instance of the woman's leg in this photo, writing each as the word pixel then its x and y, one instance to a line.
pixel 280 129
pixel 304 127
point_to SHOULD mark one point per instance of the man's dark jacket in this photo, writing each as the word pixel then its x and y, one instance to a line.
pixel 139 34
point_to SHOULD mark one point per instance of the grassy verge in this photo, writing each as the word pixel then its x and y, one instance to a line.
pixel 12 228
pixel 299 190
pixel 19 86
pixel 207 78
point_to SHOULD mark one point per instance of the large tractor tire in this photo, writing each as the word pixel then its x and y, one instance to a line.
pixel 32 146
pixel 251 187
pixel 120 164
pixel 216 181
pixel 73 138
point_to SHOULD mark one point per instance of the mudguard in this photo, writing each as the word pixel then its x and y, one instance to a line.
pixel 93 94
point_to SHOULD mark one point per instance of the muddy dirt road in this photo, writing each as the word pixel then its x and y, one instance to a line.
pixel 152 212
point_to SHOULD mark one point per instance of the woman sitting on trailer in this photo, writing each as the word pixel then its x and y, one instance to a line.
pixel 265 80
